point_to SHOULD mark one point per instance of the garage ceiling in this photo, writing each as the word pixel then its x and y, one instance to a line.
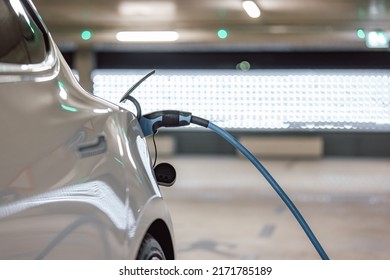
pixel 283 24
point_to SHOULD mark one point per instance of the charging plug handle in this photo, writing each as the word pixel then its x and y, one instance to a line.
pixel 150 123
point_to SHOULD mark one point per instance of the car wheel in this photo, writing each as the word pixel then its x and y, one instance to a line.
pixel 150 249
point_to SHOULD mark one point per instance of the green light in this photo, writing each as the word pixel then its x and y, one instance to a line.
pixel 222 34
pixel 68 108
pixel 243 66
pixel 86 35
pixel 361 34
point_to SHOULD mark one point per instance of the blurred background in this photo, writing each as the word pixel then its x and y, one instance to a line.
pixel 304 85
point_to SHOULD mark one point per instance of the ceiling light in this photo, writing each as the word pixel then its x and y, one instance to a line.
pixel 360 33
pixel 222 34
pixel 86 35
pixel 151 8
pixel 377 40
pixel 147 36
pixel 251 9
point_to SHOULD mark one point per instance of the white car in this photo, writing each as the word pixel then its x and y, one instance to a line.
pixel 76 180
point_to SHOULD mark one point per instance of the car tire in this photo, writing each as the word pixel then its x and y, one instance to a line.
pixel 150 249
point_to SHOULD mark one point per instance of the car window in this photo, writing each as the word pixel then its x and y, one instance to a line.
pixel 21 40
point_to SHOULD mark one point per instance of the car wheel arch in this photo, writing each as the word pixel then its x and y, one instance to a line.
pixel 159 230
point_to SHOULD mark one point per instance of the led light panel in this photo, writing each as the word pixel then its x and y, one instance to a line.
pixel 261 99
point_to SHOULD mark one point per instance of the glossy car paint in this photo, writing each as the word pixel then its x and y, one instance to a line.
pixel 76 180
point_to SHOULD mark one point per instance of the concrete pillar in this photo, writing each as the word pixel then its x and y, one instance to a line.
pixel 84 62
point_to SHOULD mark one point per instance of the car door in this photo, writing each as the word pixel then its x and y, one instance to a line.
pixel 67 158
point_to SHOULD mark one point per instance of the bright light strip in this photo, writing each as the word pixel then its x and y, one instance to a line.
pixel 377 39
pixel 151 8
pixel 261 99
pixel 251 9
pixel 147 36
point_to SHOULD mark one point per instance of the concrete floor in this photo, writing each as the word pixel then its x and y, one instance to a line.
pixel 222 208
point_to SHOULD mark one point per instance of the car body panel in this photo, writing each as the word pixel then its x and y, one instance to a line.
pixel 76 180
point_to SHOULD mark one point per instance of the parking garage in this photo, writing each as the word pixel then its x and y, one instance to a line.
pixel 305 87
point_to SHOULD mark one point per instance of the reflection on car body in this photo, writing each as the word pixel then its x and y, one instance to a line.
pixel 76 180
